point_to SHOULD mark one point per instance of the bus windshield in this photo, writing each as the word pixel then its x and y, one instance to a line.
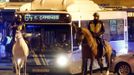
pixel 46 38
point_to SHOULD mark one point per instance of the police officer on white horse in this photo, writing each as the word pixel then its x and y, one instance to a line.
pixel 20 49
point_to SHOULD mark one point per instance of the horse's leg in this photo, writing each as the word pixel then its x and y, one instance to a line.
pixel 21 66
pixel 100 62
pixel 16 66
pixel 91 65
pixel 17 69
pixel 84 66
pixel 108 60
pixel 25 66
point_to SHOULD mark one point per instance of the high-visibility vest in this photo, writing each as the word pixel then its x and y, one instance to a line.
pixel 95 28
pixel 20 27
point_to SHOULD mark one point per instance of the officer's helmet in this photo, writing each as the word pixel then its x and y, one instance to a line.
pixel 96 14
pixel 18 17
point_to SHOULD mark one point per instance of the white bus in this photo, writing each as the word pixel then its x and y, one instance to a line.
pixel 49 37
pixel 51 42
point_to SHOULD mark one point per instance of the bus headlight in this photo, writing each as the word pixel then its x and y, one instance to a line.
pixel 62 60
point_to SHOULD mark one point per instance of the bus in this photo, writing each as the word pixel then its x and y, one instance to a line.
pixel 49 37
pixel 52 46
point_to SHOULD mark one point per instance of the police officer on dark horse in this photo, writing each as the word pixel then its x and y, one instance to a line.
pixel 92 44
pixel 96 27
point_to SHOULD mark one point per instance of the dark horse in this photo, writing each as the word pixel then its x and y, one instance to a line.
pixel 89 50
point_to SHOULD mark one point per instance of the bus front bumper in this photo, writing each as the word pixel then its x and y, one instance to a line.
pixel 46 69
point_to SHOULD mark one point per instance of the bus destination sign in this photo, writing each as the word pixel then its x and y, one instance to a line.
pixel 46 18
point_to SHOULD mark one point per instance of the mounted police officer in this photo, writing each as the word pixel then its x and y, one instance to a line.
pixel 16 25
pixel 96 27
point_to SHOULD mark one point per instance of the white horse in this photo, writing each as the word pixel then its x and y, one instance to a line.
pixel 20 53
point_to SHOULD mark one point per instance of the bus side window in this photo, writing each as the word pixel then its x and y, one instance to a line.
pixel 116 30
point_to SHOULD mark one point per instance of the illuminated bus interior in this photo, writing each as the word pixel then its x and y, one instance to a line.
pixel 46 38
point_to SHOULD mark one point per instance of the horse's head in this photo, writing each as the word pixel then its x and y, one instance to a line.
pixel 18 35
pixel 82 33
pixel 79 36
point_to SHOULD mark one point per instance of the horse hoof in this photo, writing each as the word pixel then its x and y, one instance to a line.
pixel 107 73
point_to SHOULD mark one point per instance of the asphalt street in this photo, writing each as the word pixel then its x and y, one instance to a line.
pixel 10 72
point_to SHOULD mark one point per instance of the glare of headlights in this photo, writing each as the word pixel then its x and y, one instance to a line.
pixel 62 60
